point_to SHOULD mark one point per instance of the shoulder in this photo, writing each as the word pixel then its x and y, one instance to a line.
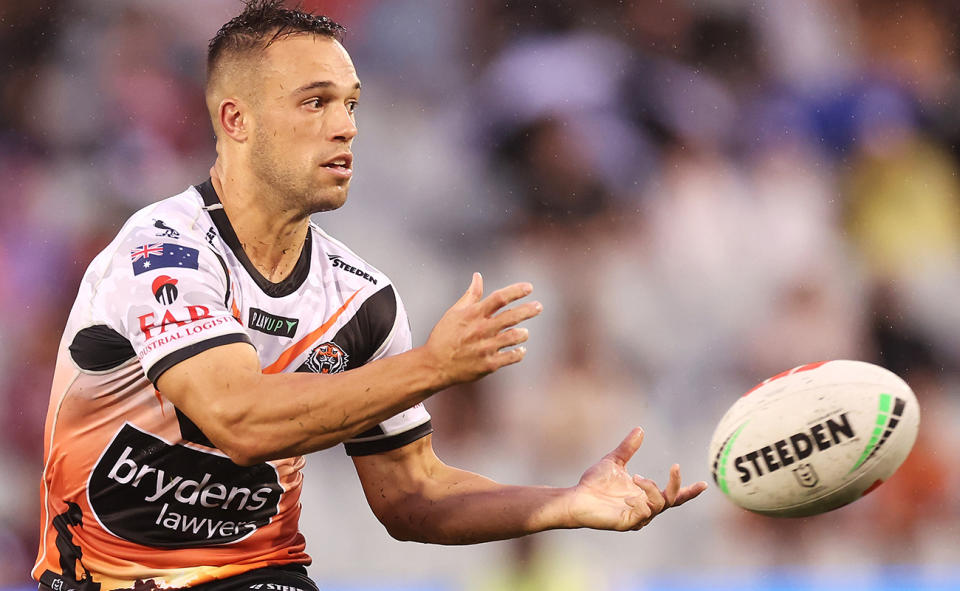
pixel 156 273
pixel 381 305
pixel 378 323
pixel 344 265
pixel 165 236
pixel 174 218
pixel 169 233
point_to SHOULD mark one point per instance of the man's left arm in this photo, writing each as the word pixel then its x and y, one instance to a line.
pixel 419 498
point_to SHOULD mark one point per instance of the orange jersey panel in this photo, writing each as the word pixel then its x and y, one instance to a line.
pixel 150 505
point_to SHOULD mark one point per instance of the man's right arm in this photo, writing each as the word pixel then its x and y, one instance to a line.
pixel 254 417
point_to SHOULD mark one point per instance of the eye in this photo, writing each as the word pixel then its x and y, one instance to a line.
pixel 352 106
pixel 316 103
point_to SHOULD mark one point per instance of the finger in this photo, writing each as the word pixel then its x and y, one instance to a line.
pixel 627 447
pixel 509 338
pixel 509 357
pixel 655 499
pixel 673 486
pixel 640 511
pixel 503 296
pixel 690 492
pixel 474 292
pixel 516 315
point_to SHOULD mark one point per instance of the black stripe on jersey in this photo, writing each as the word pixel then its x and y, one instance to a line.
pixel 195 349
pixel 190 431
pixel 226 274
pixel 365 333
pixel 378 446
pixel 292 577
pixel 100 348
pixel 376 431
pixel 275 290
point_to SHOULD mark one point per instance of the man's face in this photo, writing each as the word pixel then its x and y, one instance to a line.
pixel 304 122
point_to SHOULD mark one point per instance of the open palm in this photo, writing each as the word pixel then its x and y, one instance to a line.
pixel 609 497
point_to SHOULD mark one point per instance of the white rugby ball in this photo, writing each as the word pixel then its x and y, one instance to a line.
pixel 814 438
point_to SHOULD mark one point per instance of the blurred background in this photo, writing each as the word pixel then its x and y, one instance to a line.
pixel 703 193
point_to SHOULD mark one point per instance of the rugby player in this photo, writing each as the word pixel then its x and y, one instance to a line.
pixel 222 336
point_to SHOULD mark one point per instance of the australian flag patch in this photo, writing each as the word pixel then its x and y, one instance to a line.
pixel 163 255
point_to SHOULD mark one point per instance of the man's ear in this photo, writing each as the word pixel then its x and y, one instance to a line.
pixel 234 119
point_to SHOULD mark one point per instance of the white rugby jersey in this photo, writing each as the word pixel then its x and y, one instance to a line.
pixel 132 488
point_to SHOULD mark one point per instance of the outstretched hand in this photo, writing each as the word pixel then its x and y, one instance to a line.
pixel 478 335
pixel 608 497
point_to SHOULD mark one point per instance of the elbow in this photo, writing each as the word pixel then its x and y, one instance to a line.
pixel 401 525
pixel 240 451
pixel 245 447
pixel 244 459
pixel 404 538
pixel 401 532
pixel 422 530
pixel 230 433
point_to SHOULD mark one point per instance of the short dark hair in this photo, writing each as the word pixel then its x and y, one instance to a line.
pixel 261 23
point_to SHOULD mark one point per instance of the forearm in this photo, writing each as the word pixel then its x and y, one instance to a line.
pixel 256 417
pixel 417 497
pixel 470 509
pixel 309 412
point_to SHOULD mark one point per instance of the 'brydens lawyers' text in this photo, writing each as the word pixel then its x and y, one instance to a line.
pixel 146 490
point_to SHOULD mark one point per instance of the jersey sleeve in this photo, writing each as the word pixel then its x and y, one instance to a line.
pixel 409 425
pixel 170 298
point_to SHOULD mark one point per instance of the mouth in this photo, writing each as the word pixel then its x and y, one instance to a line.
pixel 341 164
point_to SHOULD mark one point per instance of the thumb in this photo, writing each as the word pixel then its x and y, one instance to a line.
pixel 627 447
pixel 474 292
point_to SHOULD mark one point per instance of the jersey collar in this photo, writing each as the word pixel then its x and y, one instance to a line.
pixel 290 284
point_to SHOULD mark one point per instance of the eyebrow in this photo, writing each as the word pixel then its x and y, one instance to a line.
pixel 321 84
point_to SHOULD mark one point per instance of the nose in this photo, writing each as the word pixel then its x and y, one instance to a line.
pixel 344 128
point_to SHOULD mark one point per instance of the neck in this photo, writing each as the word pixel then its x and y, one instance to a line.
pixel 272 236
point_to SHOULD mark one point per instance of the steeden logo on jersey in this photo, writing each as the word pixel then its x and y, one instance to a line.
pixel 338 263
pixel 210 235
pixel 274 587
